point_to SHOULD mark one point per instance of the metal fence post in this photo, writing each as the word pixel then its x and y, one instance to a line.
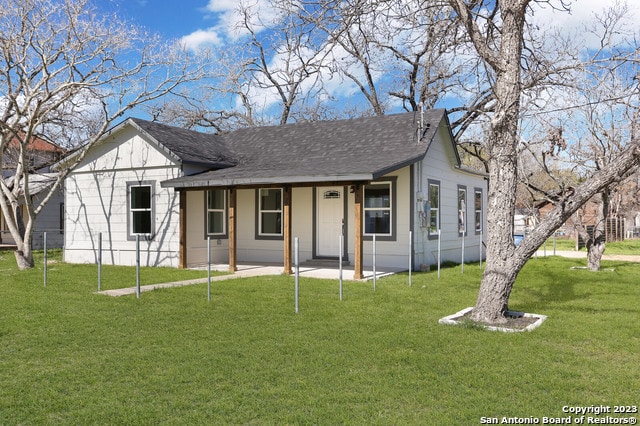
pixel 462 256
pixel 374 262
pixel 138 266
pixel 410 255
pixel 439 256
pixel 341 239
pixel 208 268
pixel 297 279
pixel 99 260
pixel 44 236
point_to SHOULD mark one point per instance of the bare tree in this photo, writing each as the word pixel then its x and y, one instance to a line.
pixel 66 73
pixel 269 74
pixel 602 104
pixel 497 30
pixel 392 53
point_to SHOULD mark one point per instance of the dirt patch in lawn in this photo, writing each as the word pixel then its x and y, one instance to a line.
pixel 516 321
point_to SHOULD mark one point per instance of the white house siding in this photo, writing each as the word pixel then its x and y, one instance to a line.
pixel 96 202
pixel 393 253
pixel 249 249
pixel 437 166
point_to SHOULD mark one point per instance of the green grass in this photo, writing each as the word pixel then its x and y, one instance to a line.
pixel 619 247
pixel 86 275
pixel 561 244
pixel 623 247
pixel 69 356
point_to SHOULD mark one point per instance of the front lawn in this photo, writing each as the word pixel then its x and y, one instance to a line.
pixel 68 355
pixel 86 275
pixel 629 246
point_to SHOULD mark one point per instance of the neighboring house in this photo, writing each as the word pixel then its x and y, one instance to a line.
pixel 41 155
pixel 254 190
pixel 523 220
pixel 49 220
pixel 588 216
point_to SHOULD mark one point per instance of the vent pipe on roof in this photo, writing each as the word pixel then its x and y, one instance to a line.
pixel 422 128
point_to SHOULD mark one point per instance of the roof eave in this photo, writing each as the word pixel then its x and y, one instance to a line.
pixel 454 144
pixel 390 169
pixel 185 183
pixel 211 165
pixel 470 171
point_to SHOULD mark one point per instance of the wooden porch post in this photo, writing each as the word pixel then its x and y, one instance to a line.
pixel 286 201
pixel 233 266
pixel 357 267
pixel 182 262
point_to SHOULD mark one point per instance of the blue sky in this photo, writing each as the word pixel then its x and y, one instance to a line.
pixel 196 23
pixel 170 18
pixel 212 21
pixel 201 23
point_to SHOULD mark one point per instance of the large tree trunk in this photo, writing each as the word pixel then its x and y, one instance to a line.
pixel 595 250
pixel 504 260
pixel 24 260
pixel 502 267
pixel 594 254
pixel 596 242
pixel 22 236
pixel 493 297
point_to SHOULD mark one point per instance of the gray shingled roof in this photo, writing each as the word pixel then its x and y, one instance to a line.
pixel 342 150
pixel 187 145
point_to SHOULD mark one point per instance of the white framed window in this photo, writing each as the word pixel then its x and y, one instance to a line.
pixel 462 210
pixel 378 211
pixel 216 212
pixel 270 212
pixel 477 206
pixel 433 208
pixel 140 206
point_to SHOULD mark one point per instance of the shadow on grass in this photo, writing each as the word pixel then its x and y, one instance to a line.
pixel 554 283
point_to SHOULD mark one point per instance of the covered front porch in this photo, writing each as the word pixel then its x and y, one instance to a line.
pixel 251 224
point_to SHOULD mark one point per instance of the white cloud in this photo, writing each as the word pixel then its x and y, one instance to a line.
pixel 201 38
pixel 230 22
pixel 582 15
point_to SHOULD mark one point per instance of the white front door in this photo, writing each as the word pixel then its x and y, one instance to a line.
pixel 329 216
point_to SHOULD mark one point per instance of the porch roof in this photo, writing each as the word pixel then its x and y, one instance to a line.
pixel 330 151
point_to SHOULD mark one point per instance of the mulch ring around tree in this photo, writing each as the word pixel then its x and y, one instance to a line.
pixel 516 321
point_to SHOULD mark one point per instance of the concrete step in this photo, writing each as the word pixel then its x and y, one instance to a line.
pixel 324 263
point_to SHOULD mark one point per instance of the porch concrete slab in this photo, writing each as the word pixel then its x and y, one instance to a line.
pixel 311 271
pixel 255 271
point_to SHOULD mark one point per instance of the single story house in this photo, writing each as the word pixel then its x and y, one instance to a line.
pixel 252 191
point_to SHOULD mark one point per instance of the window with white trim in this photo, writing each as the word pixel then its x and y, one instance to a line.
pixel 433 208
pixel 216 204
pixel 462 210
pixel 270 212
pixel 378 217
pixel 477 197
pixel 140 203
